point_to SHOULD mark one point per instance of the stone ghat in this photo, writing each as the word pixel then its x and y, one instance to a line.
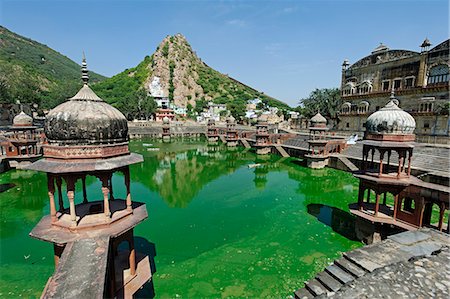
pixel 414 264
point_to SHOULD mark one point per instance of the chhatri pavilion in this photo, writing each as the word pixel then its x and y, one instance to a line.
pixel 89 138
pixel 21 143
pixel 390 135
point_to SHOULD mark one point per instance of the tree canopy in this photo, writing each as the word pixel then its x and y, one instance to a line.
pixel 327 101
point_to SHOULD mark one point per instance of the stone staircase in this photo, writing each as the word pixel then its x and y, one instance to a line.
pixel 281 150
pixel 223 139
pixel 245 143
pixel 341 272
pixel 355 264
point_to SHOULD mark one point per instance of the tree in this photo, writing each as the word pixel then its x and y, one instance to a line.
pixel 237 109
pixel 200 105
pixel 327 101
pixel 146 103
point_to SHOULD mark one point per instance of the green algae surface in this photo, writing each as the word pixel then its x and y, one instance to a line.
pixel 216 228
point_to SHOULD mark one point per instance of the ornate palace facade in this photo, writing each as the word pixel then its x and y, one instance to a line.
pixel 420 81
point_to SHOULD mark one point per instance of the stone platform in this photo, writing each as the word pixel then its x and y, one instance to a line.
pixel 413 264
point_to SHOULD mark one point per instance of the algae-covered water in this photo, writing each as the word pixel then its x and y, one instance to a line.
pixel 218 227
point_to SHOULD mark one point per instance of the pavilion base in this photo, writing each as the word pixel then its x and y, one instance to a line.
pixel 213 140
pixel 316 162
pixel 232 143
pixel 263 150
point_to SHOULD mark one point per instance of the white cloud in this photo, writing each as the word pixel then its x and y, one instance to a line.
pixel 237 23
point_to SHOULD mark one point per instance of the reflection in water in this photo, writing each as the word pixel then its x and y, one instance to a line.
pixel 179 173
pixel 221 229
pixel 4 187
pixel 340 221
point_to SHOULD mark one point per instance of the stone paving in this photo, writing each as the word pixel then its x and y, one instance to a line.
pixel 414 264
pixel 427 277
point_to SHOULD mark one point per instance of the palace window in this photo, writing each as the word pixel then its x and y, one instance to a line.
pixel 409 82
pixel 347 125
pixel 385 85
pixel 363 107
pixel 438 74
pixel 426 107
pixel 346 108
pixel 397 83
pixel 426 125
pixel 365 87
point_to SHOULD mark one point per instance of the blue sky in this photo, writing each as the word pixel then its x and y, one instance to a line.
pixel 283 48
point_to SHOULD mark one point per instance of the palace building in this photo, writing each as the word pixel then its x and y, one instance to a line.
pixel 421 84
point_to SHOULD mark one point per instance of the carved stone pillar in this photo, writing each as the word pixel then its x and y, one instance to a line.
pixel 51 196
pixel 132 257
pixel 105 190
pixel 377 203
pixel 409 162
pixel 360 196
pixel 70 181
pixel 126 174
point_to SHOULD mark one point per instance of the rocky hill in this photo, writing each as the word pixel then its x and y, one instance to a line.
pixel 183 77
pixel 34 73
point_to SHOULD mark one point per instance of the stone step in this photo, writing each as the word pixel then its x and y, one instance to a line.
pixel 339 274
pixel 281 151
pixel 329 281
pixel 303 294
pixel 315 287
pixel 350 267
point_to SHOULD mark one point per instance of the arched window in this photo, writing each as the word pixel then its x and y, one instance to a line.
pixel 346 108
pixel 438 74
pixel 349 89
pixel 363 107
pixel 365 87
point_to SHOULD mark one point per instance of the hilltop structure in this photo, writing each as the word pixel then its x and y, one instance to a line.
pixel 390 132
pixel 421 82
pixel 88 137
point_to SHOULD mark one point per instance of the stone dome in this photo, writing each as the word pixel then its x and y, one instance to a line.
pixel 230 119
pixel 22 120
pixel 85 119
pixel 165 120
pixel 390 120
pixel 318 119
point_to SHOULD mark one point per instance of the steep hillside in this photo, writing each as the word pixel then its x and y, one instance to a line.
pixel 183 77
pixel 33 73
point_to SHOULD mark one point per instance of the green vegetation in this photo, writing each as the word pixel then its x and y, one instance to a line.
pixel 171 87
pixel 33 73
pixel 120 90
pixel 224 89
pixel 327 101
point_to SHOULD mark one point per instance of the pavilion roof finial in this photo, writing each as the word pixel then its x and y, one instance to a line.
pixel 392 93
pixel 84 71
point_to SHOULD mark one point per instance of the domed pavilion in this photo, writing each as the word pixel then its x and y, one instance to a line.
pixel 232 135
pixel 88 137
pixel 400 199
pixel 212 131
pixel 262 143
pixel 21 143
